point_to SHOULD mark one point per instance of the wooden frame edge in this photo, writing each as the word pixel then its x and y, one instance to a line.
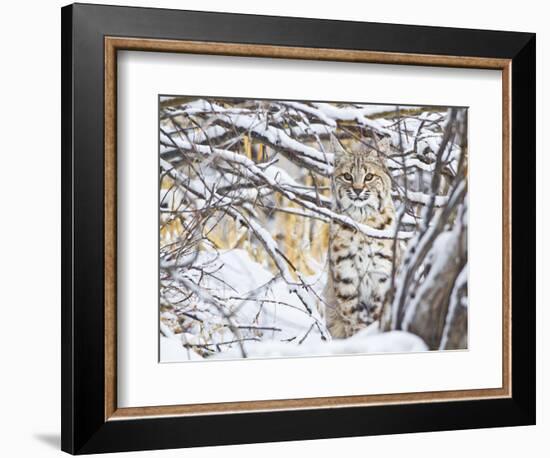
pixel 335 402
pixel 290 52
pixel 507 227
pixel 110 201
pixel 111 46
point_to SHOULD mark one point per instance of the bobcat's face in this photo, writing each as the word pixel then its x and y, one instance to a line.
pixel 360 182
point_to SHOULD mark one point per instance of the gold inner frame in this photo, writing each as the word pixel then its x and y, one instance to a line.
pixel 114 44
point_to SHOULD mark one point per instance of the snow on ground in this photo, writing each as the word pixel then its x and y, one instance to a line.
pixel 261 306
pixel 172 351
pixel 289 330
pixel 271 304
pixel 368 341
pixel 362 342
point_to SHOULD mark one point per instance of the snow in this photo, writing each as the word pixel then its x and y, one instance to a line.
pixel 364 342
pixel 282 310
pixel 317 113
pixel 461 280
pixel 253 288
pixel 198 188
pixel 421 198
pixel 442 248
pixel 279 138
pixel 172 351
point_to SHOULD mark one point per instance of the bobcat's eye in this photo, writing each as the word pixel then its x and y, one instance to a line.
pixel 347 176
pixel 369 176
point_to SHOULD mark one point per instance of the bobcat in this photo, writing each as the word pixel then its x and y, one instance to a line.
pixel 360 267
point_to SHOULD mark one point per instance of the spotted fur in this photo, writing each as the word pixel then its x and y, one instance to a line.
pixel 360 267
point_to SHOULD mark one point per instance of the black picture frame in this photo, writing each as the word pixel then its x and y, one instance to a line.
pixel 84 427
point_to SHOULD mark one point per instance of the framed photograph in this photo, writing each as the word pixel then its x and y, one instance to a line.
pixel 282 228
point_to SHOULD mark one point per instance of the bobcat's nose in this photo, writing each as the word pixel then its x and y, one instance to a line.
pixel 358 191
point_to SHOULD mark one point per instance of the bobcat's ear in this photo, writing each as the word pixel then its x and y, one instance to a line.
pixel 383 144
pixel 336 147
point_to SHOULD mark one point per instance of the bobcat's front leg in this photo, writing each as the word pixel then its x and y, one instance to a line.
pixel 345 281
